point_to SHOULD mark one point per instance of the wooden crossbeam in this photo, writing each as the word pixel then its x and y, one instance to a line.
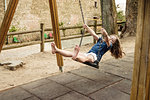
pixel 56 32
pixel 141 72
pixel 7 21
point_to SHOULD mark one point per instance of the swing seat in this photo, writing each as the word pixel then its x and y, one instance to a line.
pixel 94 64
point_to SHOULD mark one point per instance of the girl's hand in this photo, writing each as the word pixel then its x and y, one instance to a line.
pixel 85 26
pixel 103 31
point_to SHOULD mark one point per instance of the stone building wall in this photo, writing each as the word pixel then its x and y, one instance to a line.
pixel 30 13
pixel 1 10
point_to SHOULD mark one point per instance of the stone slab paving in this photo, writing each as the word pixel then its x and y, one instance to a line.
pixel 85 86
pixel 73 96
pixel 96 75
pixel 111 82
pixel 119 63
pixel 110 93
pixel 124 86
pixel 122 67
pixel 49 91
pixel 14 94
pixel 32 98
pixel 65 78
pixel 128 59
pixel 119 71
pixel 35 84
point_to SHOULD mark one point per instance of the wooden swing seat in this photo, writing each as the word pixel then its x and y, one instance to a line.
pixel 94 64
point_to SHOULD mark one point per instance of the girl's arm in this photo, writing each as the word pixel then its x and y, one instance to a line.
pixel 91 31
pixel 106 36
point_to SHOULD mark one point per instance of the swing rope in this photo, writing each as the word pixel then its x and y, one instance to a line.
pixel 94 64
pixel 81 11
pixel 82 31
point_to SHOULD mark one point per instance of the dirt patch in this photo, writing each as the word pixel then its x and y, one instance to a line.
pixel 44 64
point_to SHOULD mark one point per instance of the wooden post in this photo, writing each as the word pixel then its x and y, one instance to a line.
pixel 42 37
pixel 95 27
pixel 64 32
pixel 56 32
pixel 141 73
pixel 6 39
pixel 7 21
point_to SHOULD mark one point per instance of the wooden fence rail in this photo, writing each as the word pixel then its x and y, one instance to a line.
pixel 42 40
pixel 47 29
pixel 23 32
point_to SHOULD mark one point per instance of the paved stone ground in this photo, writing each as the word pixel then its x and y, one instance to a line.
pixel 111 82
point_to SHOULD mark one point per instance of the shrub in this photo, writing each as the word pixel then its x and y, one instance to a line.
pixel 13 29
pixel 120 15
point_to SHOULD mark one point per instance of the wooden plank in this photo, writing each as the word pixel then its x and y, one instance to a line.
pixel 50 29
pixel 7 21
pixel 137 56
pixel 18 45
pixel 144 57
pixel 147 31
pixel 23 32
pixel 3 26
pixel 4 23
pixel 46 29
pixel 147 97
pixel 141 77
pixel 56 32
pixel 42 37
pixel 95 28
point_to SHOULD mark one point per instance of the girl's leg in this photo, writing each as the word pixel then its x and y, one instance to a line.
pixel 75 55
pixel 61 52
pixel 81 57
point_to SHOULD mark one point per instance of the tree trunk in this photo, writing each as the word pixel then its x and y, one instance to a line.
pixel 131 18
pixel 109 16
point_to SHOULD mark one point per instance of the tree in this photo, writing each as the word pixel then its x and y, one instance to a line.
pixel 109 16
pixel 131 18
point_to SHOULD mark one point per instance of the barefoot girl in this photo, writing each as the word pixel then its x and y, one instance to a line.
pixel 111 43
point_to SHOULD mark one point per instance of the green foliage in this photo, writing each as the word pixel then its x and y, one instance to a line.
pixel 101 17
pixel 61 24
pixel 13 29
pixel 120 16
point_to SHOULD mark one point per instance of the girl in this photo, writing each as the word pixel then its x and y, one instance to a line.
pixel 111 43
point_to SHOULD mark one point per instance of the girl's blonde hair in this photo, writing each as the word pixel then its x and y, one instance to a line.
pixel 116 50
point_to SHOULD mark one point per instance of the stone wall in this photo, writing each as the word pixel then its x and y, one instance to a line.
pixel 1 10
pixel 30 13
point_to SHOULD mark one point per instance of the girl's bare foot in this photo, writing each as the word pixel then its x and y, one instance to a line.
pixel 76 51
pixel 53 48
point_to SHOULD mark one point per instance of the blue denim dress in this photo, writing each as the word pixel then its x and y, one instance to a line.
pixel 102 46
